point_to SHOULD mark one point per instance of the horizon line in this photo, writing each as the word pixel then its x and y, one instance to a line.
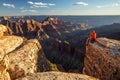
pixel 59 15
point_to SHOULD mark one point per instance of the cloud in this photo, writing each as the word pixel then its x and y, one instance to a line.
pixel 101 6
pixel 33 11
pixel 115 4
pixel 8 5
pixel 81 3
pixel 30 2
pixel 40 4
pixel 110 5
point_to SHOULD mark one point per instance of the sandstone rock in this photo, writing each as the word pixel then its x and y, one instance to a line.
pixel 57 76
pixel 102 61
pixel 4 75
pixel 24 60
pixel 2 30
pixel 28 58
pixel 8 44
pixel 22 57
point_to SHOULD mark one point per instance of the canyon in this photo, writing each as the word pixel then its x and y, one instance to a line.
pixel 33 47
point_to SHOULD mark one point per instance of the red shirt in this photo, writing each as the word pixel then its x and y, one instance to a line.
pixel 93 35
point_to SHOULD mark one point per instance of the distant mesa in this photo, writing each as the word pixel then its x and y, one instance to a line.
pixel 50 26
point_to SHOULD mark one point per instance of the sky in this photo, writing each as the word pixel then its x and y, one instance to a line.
pixel 59 7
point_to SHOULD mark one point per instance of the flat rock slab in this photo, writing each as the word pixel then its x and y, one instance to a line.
pixel 57 76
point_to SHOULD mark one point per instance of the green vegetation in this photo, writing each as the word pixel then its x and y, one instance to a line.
pixel 53 66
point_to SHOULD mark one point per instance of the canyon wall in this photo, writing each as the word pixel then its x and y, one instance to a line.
pixel 102 59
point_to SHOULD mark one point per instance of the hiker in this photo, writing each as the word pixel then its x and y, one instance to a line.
pixel 93 36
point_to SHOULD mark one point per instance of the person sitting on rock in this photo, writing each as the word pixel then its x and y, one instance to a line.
pixel 93 36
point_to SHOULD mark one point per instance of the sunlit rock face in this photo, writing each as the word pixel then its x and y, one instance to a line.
pixel 8 44
pixel 102 59
pixel 4 75
pixel 20 57
pixel 57 76
pixel 2 29
pixel 24 60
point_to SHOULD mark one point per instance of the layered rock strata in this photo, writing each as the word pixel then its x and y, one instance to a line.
pixel 102 59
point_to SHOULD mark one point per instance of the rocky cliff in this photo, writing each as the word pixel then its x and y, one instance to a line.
pixel 20 57
pixel 57 76
pixel 70 57
pixel 27 59
pixel 102 59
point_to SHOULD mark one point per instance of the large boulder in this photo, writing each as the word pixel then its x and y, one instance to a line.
pixel 102 59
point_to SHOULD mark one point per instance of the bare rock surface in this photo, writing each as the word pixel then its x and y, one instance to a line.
pixel 4 75
pixel 102 59
pixel 8 44
pixel 57 76
pixel 23 57
pixel 24 60
pixel 2 29
pixel 20 57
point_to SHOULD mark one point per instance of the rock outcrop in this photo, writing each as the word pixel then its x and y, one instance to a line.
pixel 20 57
pixel 102 59
pixel 8 44
pixel 57 76
pixel 24 60
pixel 4 75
